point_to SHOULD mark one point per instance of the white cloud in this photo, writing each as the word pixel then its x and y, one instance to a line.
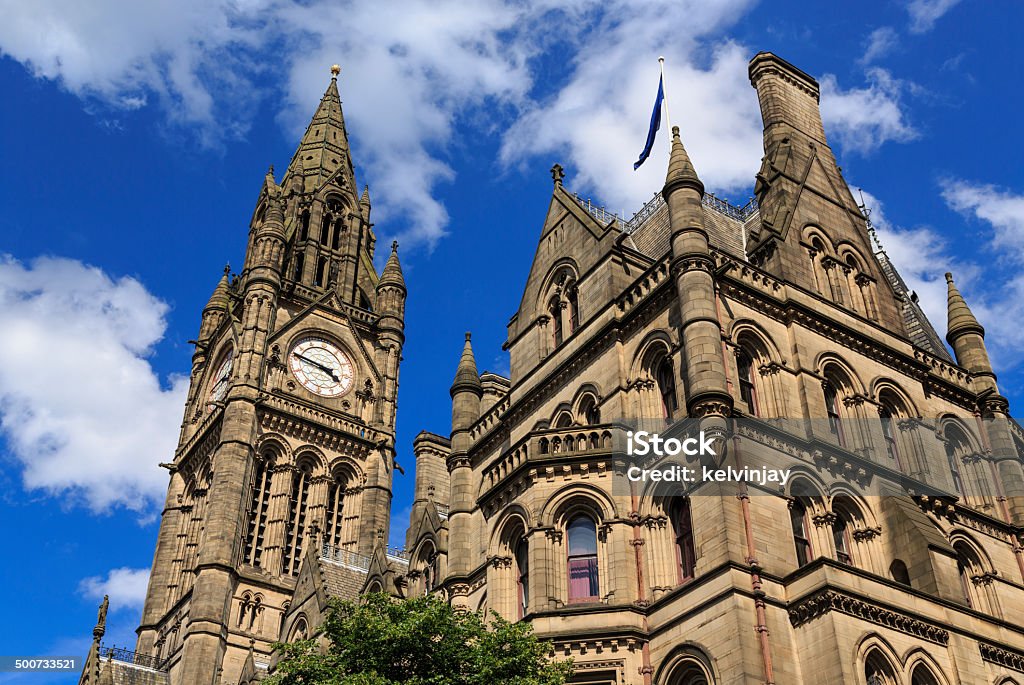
pixel 598 121
pixel 122 52
pixel 862 119
pixel 1002 209
pixel 415 77
pixel 125 586
pixel 879 43
pixel 80 406
pixel 924 13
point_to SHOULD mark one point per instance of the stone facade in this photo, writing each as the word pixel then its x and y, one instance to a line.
pixel 894 555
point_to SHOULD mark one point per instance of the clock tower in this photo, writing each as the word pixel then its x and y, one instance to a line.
pixel 289 429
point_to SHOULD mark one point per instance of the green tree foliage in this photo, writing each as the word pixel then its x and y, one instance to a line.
pixel 421 641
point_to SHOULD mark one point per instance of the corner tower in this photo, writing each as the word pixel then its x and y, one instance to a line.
pixel 289 431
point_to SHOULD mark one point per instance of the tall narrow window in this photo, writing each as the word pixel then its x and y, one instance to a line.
pixel 300 265
pixel 325 228
pixel 748 393
pixel 336 236
pixel 321 272
pixel 259 505
pixel 965 567
pixel 583 574
pixel 666 379
pixel 888 431
pixel 304 226
pixel 335 512
pixel 953 458
pixel 296 525
pixel 682 525
pixel 835 420
pixel 555 310
pixel 522 575
pixel 841 537
pixel 798 524
pixel 574 309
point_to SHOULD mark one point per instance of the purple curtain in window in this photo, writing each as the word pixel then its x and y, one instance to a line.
pixel 583 577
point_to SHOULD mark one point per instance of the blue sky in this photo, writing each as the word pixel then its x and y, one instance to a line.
pixel 135 137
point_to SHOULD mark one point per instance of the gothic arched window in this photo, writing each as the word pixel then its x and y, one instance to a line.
pixel 835 419
pixel 321 272
pixel 259 505
pixel 957 447
pixel 582 562
pixel 888 432
pixel 304 226
pixel 335 511
pixel 666 380
pixel 325 228
pixel 336 236
pixel 682 527
pixel 296 526
pixel 522 563
pixel 798 525
pixel 923 676
pixel 841 538
pixel 877 670
pixel 590 413
pixel 555 310
pixel 748 392
pixel 300 265
pixel 574 309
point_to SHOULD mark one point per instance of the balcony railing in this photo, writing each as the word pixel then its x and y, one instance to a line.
pixel 129 657
pixel 651 206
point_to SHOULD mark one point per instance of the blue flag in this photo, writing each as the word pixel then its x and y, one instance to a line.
pixel 655 125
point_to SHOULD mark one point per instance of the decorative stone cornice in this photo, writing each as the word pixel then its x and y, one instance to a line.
pixel 1002 657
pixel 825 601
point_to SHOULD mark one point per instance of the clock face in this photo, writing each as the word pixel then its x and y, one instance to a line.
pixel 321 367
pixel 219 385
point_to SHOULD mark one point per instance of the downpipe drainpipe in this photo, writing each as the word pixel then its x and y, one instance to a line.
pixel 761 625
pixel 641 595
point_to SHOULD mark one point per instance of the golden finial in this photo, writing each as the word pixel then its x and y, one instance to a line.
pixel 335 70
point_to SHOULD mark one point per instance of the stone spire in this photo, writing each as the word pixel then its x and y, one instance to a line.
pixel 967 337
pixel 364 203
pixel 961 318
pixel 681 173
pixel 220 298
pixel 217 306
pixel 392 274
pixel 324 147
pixel 466 377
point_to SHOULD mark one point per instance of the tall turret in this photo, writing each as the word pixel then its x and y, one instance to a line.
pixel 466 392
pixel 692 268
pixel 967 336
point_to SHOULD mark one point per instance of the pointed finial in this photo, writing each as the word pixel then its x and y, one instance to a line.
pixel 960 317
pixel 394 246
pixel 335 70
pixel 468 336
pixel 270 171
pixel 227 269
pixel 681 173
pixel 557 174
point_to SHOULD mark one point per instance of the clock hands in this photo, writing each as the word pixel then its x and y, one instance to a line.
pixel 323 367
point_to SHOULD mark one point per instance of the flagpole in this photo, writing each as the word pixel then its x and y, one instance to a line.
pixel 664 86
